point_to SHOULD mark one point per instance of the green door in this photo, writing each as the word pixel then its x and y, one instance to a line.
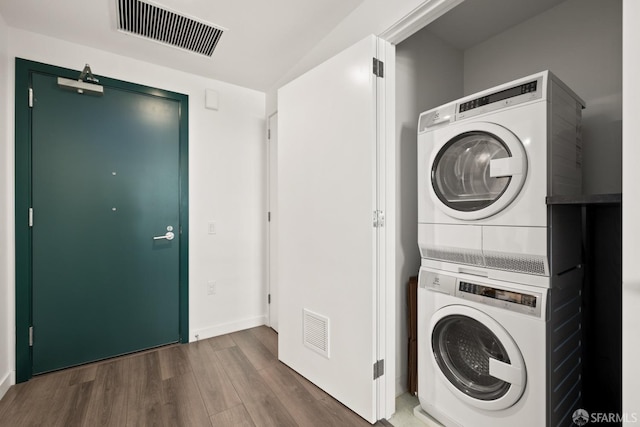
pixel 105 182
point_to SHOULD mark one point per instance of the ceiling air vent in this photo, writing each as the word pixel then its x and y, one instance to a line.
pixel 164 26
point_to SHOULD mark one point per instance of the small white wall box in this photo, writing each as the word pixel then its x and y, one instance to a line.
pixel 211 99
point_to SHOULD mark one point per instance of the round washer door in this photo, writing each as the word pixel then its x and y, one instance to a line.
pixel 478 170
pixel 476 358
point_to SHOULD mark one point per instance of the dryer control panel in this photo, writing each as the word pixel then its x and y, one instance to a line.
pixel 511 92
pixel 490 101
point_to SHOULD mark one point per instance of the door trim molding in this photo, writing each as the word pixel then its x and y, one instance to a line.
pixel 417 19
pixel 272 221
pixel 23 246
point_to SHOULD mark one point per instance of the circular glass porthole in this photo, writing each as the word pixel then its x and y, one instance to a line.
pixel 461 171
pixel 462 347
pixel 476 170
pixel 476 358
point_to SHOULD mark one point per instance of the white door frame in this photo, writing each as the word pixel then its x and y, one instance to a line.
pixel 417 19
pixel 272 218
pixel 427 12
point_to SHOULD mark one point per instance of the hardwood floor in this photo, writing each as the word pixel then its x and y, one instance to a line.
pixel 232 380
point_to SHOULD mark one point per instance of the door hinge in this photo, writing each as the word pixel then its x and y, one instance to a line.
pixel 30 97
pixel 378 219
pixel 378 67
pixel 378 369
pixel 268 133
pixel 30 217
pixel 269 216
pixel 30 336
pixel 269 298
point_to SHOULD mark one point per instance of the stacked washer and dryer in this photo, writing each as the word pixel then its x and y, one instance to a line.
pixel 499 296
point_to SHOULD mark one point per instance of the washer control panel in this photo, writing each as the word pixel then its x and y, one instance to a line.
pixel 498 294
pixel 502 297
pixel 525 303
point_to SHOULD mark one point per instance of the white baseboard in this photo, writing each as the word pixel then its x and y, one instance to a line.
pixel 7 381
pixel 226 328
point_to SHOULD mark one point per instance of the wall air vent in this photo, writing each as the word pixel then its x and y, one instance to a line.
pixel 164 26
pixel 316 332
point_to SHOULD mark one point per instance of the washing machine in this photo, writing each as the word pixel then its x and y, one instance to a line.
pixel 486 165
pixel 497 354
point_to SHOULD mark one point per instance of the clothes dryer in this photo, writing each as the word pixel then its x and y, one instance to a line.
pixel 487 163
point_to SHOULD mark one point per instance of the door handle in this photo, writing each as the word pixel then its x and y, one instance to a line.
pixel 506 372
pixel 508 166
pixel 168 236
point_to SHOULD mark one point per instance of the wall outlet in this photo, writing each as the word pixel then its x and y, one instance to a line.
pixel 211 287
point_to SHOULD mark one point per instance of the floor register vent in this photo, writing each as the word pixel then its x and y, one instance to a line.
pixel 162 25
pixel 316 332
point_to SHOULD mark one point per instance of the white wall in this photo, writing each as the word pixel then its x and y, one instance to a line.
pixel 6 230
pixel 631 210
pixel 371 17
pixel 581 42
pixel 226 175
pixel 421 84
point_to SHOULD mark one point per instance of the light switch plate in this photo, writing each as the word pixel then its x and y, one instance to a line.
pixel 211 287
pixel 212 227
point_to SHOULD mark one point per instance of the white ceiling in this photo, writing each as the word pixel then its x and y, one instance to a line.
pixel 264 39
pixel 475 21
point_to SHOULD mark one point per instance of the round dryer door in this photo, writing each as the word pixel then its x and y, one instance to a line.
pixel 477 359
pixel 479 169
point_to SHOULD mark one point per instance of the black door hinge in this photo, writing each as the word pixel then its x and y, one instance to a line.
pixel 378 369
pixel 378 67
